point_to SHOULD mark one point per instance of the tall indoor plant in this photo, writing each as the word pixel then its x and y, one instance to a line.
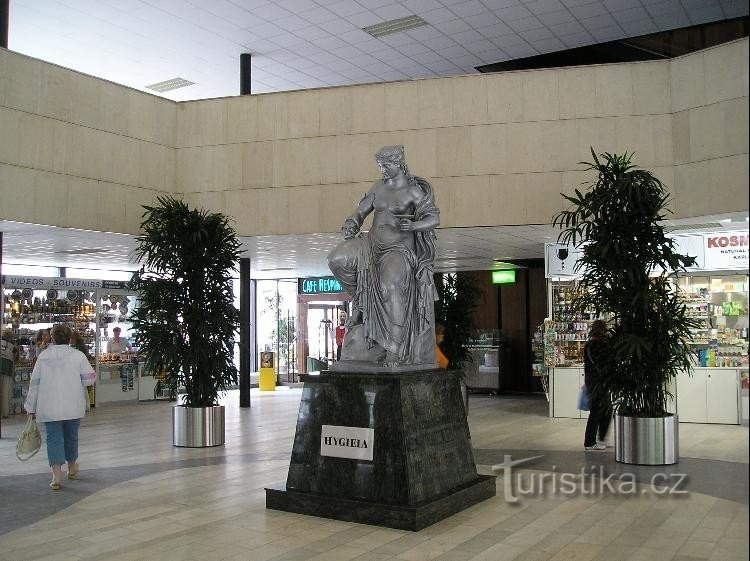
pixel 458 297
pixel 626 272
pixel 186 321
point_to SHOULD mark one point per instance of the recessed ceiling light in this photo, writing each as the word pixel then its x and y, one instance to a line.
pixel 171 84
pixel 394 26
pixel 85 251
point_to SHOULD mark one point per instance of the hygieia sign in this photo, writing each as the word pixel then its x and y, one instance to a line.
pixel 355 443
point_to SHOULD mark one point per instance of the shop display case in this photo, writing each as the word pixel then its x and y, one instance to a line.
pixel 120 372
pixel 543 354
pixel 93 308
pixel 744 400
pixel 716 293
pixel 720 302
pixel 569 330
pixel 714 391
pixel 484 371
pixel 29 311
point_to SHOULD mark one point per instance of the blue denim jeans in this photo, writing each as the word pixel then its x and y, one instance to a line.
pixel 62 441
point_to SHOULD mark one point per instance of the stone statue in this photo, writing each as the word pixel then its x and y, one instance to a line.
pixel 388 271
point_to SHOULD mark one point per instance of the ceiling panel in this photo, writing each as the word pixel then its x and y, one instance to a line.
pixel 139 43
pixel 458 249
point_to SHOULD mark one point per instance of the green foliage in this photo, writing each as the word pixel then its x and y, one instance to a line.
pixel 284 334
pixel 186 322
pixel 459 294
pixel 627 269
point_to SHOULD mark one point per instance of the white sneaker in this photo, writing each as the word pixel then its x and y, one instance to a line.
pixel 596 446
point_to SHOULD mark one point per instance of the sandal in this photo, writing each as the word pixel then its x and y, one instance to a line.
pixel 73 474
pixel 54 486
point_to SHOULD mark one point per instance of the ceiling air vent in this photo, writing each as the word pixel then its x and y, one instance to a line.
pixel 694 227
pixel 171 84
pixel 394 26
pixel 84 251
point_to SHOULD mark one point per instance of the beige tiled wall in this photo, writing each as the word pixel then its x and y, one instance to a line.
pixel 77 151
pixel 498 148
pixel 710 130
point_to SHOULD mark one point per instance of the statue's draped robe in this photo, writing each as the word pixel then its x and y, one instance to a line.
pixel 414 342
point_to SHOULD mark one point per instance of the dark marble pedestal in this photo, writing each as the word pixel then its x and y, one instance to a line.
pixel 422 468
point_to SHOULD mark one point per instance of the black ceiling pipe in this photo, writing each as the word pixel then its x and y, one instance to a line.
pixel 245 67
pixel 4 18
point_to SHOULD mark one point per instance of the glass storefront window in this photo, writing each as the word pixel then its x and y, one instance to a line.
pixel 277 331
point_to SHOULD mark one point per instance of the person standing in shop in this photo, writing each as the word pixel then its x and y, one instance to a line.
pixel 117 344
pixel 340 333
pixel 56 398
pixel 76 341
pixel 43 339
pixel 8 357
pixel 595 354
pixel 440 357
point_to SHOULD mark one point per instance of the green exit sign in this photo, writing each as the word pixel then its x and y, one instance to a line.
pixel 504 277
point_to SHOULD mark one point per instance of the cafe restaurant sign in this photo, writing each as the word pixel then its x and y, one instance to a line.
pixel 318 285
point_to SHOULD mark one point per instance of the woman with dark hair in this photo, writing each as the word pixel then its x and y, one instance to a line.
pixel 595 354
pixel 56 398
pixel 43 339
pixel 76 341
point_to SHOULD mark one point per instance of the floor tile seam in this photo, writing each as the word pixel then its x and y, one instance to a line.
pixel 220 460
pixel 165 466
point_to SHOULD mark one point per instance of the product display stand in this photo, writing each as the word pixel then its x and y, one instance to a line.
pixel 412 425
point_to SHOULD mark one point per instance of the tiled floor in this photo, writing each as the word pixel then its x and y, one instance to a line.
pixel 139 498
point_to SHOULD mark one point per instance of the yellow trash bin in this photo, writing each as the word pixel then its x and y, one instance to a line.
pixel 267 372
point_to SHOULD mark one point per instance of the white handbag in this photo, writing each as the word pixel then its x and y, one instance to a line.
pixel 29 441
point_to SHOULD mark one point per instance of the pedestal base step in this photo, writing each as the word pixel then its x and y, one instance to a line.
pixel 409 517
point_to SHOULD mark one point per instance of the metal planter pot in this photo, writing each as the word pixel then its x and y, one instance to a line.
pixel 651 441
pixel 198 427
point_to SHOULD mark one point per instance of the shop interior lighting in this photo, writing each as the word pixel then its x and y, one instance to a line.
pixel 169 85
pixel 394 26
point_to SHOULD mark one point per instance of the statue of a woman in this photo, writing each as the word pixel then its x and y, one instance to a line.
pixel 388 270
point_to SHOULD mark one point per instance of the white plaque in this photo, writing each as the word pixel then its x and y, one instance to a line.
pixel 355 443
pixel 560 260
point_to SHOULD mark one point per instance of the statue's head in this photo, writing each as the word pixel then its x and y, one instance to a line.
pixel 393 155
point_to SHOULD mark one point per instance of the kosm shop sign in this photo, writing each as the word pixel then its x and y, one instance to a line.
pixel 726 251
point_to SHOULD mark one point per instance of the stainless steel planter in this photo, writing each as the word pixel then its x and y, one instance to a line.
pixel 198 427
pixel 651 441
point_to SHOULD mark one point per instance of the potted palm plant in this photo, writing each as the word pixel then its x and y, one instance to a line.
pixel 627 271
pixel 186 321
